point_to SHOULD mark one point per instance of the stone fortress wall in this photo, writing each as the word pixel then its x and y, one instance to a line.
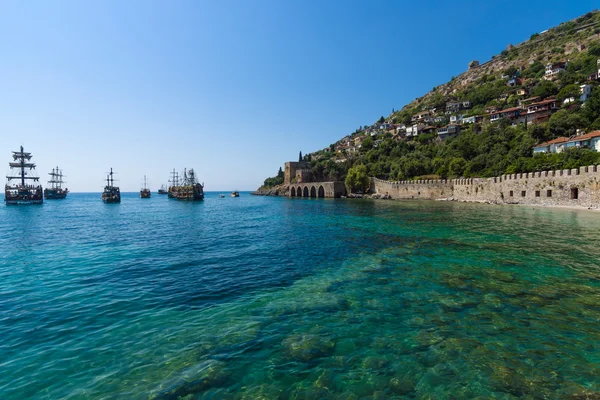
pixel 574 187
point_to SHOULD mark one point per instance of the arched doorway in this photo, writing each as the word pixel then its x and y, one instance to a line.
pixel 313 192
pixel 299 192
pixel 321 191
pixel 293 192
pixel 305 192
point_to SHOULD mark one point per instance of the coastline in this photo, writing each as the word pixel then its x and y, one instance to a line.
pixel 283 191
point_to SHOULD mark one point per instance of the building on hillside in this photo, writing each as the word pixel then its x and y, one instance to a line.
pixel 447 131
pixel 423 116
pixel 511 114
pixel 515 81
pixel 588 141
pixel 456 119
pixel 428 129
pixel 401 128
pixel 531 100
pixel 552 70
pixel 522 92
pixel 586 92
pixel 596 75
pixel 452 107
pixel 414 130
pixel 439 119
pixel 455 106
pixel 475 119
pixel 358 141
pixel 541 111
pixel 553 146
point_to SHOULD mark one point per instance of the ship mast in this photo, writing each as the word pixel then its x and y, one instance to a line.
pixel 22 157
pixel 175 179
pixel 109 179
pixel 56 180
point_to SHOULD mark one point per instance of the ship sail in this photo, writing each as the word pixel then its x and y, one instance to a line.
pixel 56 191
pixel 23 192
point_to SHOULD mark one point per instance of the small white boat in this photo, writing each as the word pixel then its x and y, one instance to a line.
pixel 221 196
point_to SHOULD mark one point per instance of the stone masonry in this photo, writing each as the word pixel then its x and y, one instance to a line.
pixel 574 187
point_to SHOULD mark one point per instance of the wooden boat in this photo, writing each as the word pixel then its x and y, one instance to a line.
pixel 235 193
pixel 112 193
pixel 22 192
pixel 145 192
pixel 56 191
pixel 188 189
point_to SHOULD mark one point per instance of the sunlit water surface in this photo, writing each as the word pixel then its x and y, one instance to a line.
pixel 272 298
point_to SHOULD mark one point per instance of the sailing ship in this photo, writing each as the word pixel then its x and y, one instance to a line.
pixel 174 182
pixel 22 192
pixel 235 193
pixel 55 191
pixel 189 188
pixel 145 192
pixel 162 190
pixel 112 193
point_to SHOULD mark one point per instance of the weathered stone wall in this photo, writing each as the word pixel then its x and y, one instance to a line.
pixel 317 189
pixel 575 187
pixel 290 168
pixel 420 189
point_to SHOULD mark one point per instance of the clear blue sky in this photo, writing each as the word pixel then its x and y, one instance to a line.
pixel 231 88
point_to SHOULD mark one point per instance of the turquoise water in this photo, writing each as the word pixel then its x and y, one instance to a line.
pixel 272 298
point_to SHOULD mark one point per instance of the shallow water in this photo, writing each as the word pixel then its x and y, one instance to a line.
pixel 297 299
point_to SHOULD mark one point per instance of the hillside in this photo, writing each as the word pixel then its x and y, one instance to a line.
pixel 497 117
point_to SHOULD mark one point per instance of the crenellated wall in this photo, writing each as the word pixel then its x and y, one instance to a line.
pixel 575 187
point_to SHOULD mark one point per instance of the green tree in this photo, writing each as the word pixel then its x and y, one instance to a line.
pixel 545 89
pixel 594 49
pixel 565 123
pixel 357 179
pixel 280 173
pixel 367 144
pixel 300 157
pixel 568 91
pixel 381 120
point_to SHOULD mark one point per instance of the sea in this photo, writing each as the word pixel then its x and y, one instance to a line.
pixel 276 298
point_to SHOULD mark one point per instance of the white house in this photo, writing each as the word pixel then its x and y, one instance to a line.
pixel 586 91
pixel 552 70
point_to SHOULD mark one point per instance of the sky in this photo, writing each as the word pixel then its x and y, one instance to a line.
pixel 232 89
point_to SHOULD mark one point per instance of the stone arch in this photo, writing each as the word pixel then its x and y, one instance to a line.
pixel 305 192
pixel 321 192
pixel 299 192
pixel 293 192
pixel 313 191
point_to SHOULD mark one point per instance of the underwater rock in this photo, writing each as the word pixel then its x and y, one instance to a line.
pixel 260 392
pixel 508 380
pixel 194 380
pixel 498 275
pixel 305 347
pixel 426 339
pixel 456 304
pixel 402 385
pixel 374 363
pixel 345 347
pixel 454 347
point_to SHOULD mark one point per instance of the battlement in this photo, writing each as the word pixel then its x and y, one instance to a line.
pixel 577 186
